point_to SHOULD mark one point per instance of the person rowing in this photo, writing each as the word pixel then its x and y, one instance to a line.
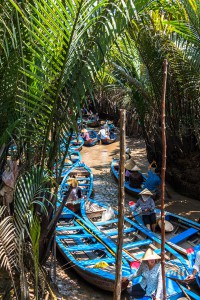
pixel 147 206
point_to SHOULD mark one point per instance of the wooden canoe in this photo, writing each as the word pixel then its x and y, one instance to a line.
pixel 128 188
pixel 93 138
pixel 108 141
pixel 71 159
pixel 185 233
pixel 91 259
pixel 137 239
pixel 84 176
pixel 93 123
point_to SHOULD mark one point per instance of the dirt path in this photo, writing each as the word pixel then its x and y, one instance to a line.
pixel 99 158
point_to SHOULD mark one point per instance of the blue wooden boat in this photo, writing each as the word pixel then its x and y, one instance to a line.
pixel 91 259
pixel 128 188
pixel 71 159
pixel 108 141
pixel 84 176
pixel 93 138
pixel 93 123
pixel 76 144
pixel 183 233
pixel 137 239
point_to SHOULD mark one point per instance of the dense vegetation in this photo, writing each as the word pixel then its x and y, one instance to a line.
pixel 52 55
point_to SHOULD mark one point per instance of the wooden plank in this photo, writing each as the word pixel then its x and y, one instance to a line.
pixel 183 235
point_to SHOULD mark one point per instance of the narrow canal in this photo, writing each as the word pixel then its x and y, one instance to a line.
pixel 98 158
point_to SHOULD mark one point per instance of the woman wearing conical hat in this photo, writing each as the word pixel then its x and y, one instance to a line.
pixel 76 192
pixel 147 206
pixel 151 283
pixel 135 178
pixel 130 164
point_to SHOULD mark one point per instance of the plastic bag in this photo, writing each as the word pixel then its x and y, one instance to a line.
pixel 108 214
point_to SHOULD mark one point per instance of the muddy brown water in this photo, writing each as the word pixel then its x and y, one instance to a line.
pixel 98 158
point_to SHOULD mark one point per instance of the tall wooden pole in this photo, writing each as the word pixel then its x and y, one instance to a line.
pixel 121 197
pixel 164 148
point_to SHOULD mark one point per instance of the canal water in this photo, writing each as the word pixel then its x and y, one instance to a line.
pixel 98 158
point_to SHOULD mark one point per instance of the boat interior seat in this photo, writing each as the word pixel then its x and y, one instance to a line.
pixel 183 235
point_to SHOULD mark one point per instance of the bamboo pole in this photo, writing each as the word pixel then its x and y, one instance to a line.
pixel 121 197
pixel 164 147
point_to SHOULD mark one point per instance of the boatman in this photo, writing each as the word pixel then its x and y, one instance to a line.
pixel 147 206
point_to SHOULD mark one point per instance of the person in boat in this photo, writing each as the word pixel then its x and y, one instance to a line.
pixel 135 178
pixel 96 117
pixel 103 134
pixel 130 164
pixel 76 192
pixel 91 115
pixel 147 206
pixel 196 267
pixel 106 127
pixel 128 152
pixel 153 182
pixel 151 283
pixel 85 134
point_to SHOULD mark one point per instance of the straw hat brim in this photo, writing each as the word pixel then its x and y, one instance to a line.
pixel 149 255
pixel 146 192
pixel 84 130
pixel 73 182
pixel 168 226
pixel 135 168
pixel 130 164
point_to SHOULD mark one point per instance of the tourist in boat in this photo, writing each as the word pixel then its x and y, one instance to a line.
pixel 130 164
pixel 151 283
pixel 196 267
pixel 153 181
pixel 76 192
pixel 85 134
pixel 103 134
pixel 135 178
pixel 106 127
pixel 147 206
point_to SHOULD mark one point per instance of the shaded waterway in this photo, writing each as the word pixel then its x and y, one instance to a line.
pixel 98 158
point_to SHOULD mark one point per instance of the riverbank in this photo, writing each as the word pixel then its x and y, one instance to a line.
pixel 98 158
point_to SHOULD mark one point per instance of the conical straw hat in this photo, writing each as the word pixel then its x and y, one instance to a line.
pixel 130 164
pixel 146 192
pixel 73 182
pixel 149 254
pixel 135 168
pixel 67 160
pixel 84 130
pixel 168 226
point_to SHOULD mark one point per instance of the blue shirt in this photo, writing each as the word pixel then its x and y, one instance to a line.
pixel 153 181
pixel 149 204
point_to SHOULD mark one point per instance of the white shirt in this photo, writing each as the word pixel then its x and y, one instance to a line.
pixel 103 134
pixel 197 262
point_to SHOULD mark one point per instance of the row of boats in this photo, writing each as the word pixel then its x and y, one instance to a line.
pixel 88 239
